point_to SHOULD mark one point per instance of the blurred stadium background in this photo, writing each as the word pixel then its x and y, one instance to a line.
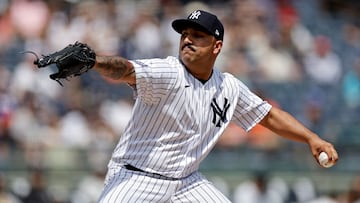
pixel 301 55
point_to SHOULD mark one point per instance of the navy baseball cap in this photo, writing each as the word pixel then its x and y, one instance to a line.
pixel 201 19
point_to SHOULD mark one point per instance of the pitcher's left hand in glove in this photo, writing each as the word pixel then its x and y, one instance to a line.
pixel 73 60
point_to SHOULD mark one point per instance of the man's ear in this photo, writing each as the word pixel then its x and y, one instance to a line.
pixel 217 46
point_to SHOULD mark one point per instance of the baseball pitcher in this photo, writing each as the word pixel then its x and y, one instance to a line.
pixel 183 105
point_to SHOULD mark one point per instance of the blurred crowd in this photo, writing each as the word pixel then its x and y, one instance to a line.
pixel 303 56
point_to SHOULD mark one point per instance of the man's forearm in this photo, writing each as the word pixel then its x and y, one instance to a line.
pixel 287 126
pixel 116 68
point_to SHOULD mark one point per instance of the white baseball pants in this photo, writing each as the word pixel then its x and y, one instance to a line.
pixel 123 185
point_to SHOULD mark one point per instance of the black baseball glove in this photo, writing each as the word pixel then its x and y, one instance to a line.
pixel 73 60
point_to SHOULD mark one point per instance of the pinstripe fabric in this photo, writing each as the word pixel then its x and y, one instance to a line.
pixel 127 186
pixel 197 188
pixel 131 187
pixel 177 119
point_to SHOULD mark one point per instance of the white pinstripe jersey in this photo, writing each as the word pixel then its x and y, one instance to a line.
pixel 177 119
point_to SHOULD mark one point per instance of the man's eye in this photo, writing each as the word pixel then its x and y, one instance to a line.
pixel 197 35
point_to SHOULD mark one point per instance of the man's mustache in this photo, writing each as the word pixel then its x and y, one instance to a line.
pixel 189 46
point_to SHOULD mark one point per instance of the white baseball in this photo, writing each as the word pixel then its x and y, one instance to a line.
pixel 324 160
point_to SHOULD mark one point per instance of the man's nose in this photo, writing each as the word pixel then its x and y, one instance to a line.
pixel 187 40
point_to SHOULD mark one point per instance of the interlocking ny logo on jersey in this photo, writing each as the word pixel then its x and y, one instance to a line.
pixel 218 112
pixel 195 15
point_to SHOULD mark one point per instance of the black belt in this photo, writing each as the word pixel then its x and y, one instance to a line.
pixel 153 175
pixel 132 168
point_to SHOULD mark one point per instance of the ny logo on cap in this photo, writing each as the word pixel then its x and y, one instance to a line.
pixel 195 15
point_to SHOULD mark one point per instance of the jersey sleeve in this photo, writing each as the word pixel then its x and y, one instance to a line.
pixel 154 79
pixel 250 109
